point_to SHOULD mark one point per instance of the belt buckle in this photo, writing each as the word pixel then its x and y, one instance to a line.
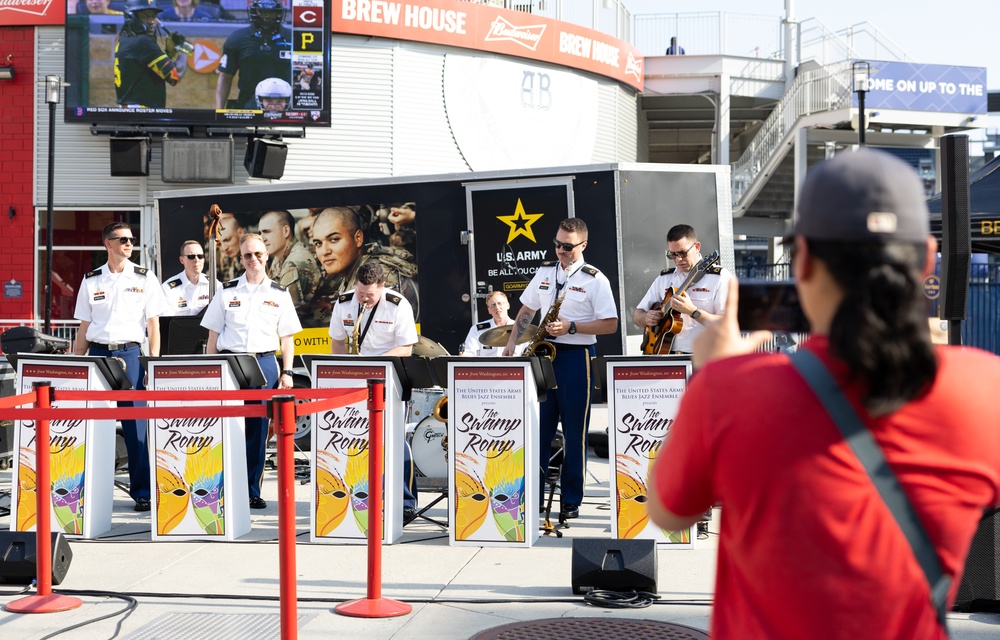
pixel 114 346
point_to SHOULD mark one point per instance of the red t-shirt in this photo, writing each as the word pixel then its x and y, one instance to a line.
pixel 807 547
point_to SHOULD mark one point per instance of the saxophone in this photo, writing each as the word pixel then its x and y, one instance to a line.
pixel 538 346
pixel 351 342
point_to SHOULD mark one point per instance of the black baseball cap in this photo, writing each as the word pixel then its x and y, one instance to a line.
pixel 867 196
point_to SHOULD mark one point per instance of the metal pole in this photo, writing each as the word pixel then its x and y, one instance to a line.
pixel 52 84
pixel 283 414
pixel 861 118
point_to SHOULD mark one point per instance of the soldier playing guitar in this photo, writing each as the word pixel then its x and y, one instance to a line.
pixel 694 291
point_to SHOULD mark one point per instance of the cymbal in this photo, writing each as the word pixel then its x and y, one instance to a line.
pixel 427 347
pixel 498 336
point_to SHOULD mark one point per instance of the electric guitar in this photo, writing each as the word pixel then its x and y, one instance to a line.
pixel 659 338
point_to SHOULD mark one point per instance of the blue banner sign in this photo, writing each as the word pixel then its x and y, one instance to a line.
pixel 925 87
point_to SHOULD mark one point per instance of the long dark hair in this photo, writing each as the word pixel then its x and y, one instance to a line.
pixel 880 329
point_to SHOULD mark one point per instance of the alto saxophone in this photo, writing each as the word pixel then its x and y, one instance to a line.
pixel 351 342
pixel 538 346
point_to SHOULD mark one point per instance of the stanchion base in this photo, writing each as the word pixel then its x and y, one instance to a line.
pixel 373 608
pixel 43 604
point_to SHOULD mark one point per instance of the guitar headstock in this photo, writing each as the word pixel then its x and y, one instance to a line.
pixel 706 262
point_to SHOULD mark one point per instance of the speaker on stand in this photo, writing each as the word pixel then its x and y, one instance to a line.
pixel 980 586
pixel 956 233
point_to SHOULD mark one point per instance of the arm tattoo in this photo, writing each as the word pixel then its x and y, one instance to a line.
pixel 522 321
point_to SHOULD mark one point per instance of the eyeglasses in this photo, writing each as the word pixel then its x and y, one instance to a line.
pixel 565 246
pixel 673 255
pixel 195 256
pixel 254 254
pixel 123 239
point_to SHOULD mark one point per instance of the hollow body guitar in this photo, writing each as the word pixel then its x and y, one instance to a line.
pixel 659 338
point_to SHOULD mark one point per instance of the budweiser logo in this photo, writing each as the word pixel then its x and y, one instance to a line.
pixel 634 67
pixel 501 30
pixel 33 7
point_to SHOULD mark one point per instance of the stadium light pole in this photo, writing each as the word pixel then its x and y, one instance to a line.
pixel 52 89
pixel 862 73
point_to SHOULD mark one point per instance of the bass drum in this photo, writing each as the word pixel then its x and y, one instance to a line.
pixel 429 448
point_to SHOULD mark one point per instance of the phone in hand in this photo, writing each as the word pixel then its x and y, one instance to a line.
pixel 770 305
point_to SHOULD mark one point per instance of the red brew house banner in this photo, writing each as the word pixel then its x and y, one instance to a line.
pixel 486 28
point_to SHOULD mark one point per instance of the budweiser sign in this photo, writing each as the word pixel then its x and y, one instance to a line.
pixel 33 7
pixel 633 67
pixel 502 30
pixel 32 12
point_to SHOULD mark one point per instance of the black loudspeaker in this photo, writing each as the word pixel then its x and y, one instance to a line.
pixel 980 586
pixel 19 557
pixel 265 159
pixel 614 565
pixel 956 227
pixel 130 156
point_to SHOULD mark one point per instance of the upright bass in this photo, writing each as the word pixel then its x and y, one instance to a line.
pixel 660 337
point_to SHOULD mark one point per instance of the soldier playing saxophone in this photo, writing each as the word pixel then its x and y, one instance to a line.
pixel 587 310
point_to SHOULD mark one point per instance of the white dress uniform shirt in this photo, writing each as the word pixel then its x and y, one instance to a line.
pixel 389 327
pixel 186 298
pixel 708 294
pixel 117 304
pixel 251 318
pixel 473 346
pixel 588 296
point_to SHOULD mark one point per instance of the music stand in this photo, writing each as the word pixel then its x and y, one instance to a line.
pixel 183 335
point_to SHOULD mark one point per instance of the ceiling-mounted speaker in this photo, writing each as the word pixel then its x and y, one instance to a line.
pixel 130 156
pixel 265 158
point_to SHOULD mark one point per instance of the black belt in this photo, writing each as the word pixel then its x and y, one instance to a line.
pixel 262 354
pixel 569 347
pixel 115 346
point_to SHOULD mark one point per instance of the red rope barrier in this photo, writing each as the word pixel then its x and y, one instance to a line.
pixel 342 398
pixel 194 396
pixel 374 606
pixel 16 401
pixel 44 601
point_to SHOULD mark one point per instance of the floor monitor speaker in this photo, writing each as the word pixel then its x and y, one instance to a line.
pixel 19 557
pixel 614 565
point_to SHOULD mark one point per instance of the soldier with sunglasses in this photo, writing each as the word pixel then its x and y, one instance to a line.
pixel 187 292
pixel 704 300
pixel 118 307
pixel 254 315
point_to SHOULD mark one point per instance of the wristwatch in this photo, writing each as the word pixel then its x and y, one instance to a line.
pixel 288 372
pixel 696 314
pixel 572 328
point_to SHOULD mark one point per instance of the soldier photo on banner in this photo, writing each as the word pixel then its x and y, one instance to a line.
pixel 316 252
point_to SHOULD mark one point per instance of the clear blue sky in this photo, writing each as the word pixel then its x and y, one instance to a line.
pixel 955 32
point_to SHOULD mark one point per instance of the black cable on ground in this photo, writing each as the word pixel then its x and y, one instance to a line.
pixel 620 599
pixel 127 611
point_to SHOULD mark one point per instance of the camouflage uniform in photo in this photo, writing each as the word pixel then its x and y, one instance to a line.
pixel 297 271
pixel 401 273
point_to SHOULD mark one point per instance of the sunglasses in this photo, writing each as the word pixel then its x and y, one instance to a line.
pixel 123 239
pixel 195 256
pixel 565 246
pixel 254 254
pixel 673 255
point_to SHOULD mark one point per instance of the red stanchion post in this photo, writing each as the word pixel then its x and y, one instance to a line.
pixel 44 601
pixel 283 414
pixel 374 606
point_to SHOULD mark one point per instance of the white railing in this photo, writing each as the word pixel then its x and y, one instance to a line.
pixel 607 16
pixel 814 91
pixel 65 329
pixel 707 34
pixel 859 41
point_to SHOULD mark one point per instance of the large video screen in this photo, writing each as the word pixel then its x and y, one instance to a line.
pixel 198 62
